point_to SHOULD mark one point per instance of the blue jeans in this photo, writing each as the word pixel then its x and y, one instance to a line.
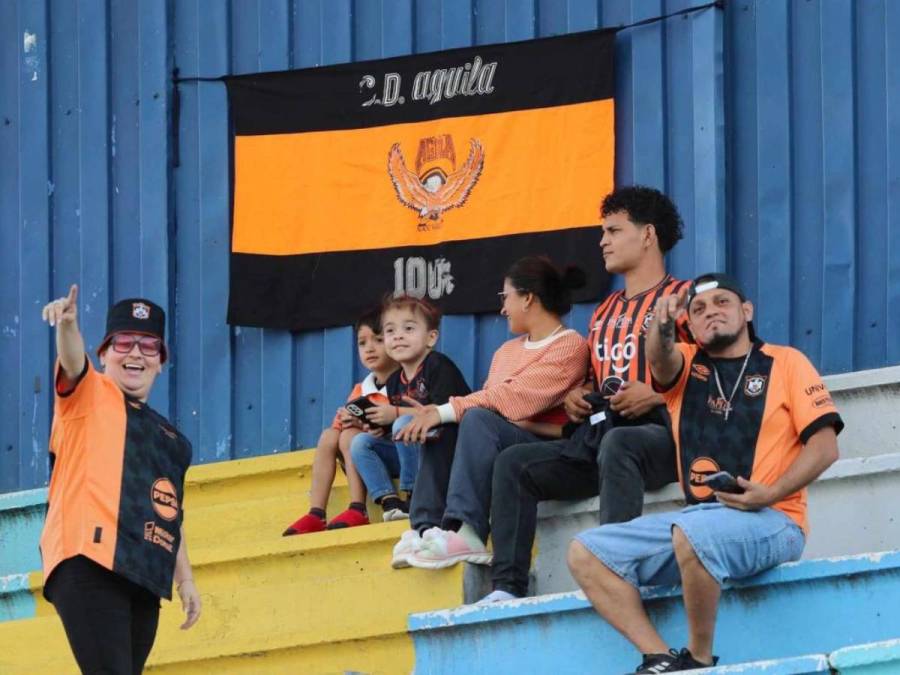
pixel 379 459
pixel 731 544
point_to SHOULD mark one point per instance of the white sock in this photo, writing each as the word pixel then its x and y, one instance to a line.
pixel 470 536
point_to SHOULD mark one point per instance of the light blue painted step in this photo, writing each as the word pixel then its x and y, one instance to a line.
pixel 876 658
pixel 795 665
pixel 808 607
pixel 21 520
pixel 16 600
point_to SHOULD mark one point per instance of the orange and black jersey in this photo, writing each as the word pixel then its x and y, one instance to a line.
pixel 117 484
pixel 618 331
pixel 779 402
pixel 436 380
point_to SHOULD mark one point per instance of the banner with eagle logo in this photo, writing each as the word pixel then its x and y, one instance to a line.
pixel 427 174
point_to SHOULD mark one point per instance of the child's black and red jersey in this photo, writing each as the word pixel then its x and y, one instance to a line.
pixel 435 381
pixel 117 486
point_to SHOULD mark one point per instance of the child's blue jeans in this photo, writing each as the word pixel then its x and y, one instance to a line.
pixel 379 459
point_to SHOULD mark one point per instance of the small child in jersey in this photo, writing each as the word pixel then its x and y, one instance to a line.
pixel 425 377
pixel 334 443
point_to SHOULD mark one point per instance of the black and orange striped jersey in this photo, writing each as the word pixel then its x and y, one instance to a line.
pixel 779 402
pixel 117 484
pixel 618 331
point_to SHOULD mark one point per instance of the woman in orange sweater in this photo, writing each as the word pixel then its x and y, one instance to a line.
pixel 521 401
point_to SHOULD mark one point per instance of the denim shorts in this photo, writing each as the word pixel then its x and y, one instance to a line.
pixel 731 544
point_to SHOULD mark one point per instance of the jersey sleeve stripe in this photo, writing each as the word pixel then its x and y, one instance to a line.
pixel 831 419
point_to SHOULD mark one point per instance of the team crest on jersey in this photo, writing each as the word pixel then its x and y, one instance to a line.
pixel 754 385
pixel 645 324
pixel 437 184
pixel 140 310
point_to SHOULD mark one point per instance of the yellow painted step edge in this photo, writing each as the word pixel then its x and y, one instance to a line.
pixel 305 543
pixel 250 466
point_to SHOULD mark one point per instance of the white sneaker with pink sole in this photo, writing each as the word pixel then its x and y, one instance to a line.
pixel 443 548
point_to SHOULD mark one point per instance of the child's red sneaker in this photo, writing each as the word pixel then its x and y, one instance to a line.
pixel 308 523
pixel 349 518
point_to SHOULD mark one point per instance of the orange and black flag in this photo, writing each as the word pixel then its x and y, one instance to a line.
pixel 429 175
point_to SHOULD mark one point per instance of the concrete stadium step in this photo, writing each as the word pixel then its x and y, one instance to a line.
pixel 793 665
pixel 276 475
pixel 868 401
pixel 277 486
pixel 852 509
pixel 874 658
pixel 330 596
pixel 808 607
pixel 324 602
pixel 21 519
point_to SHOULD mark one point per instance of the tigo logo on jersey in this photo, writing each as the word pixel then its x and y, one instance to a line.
pixel 754 385
pixel 165 499
pixel 140 310
pixel 620 351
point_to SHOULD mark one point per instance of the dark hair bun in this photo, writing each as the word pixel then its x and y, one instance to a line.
pixel 573 277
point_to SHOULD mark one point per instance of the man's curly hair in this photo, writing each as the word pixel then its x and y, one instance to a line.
pixel 645 205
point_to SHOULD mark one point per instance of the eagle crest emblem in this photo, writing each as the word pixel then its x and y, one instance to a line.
pixel 437 184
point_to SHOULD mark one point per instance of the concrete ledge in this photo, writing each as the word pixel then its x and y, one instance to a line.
pixel 12 501
pixel 869 659
pixel 852 507
pixel 797 665
pixel 851 467
pixel 16 600
pixel 293 460
pixel 863 379
pixel 813 607
pixel 803 570
pixel 21 519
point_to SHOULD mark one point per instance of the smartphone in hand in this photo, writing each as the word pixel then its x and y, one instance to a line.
pixel 358 406
pixel 722 481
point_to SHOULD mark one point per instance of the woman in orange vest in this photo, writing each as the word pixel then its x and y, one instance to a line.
pixel 113 542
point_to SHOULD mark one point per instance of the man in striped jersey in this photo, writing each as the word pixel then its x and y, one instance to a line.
pixel 621 445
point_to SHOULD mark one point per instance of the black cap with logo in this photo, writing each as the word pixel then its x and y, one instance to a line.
pixel 707 282
pixel 136 315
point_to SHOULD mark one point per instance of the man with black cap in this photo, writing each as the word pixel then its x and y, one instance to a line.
pixel 753 426
pixel 113 541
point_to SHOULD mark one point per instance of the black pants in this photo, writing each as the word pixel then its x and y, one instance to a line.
pixel 429 497
pixel 629 461
pixel 110 622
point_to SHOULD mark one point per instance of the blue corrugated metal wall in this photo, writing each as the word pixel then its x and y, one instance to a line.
pixel 770 125
pixel 814 177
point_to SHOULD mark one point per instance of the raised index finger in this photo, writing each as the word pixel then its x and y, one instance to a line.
pixel 73 295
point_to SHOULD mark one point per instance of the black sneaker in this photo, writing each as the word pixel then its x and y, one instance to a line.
pixel 686 661
pixel 660 663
